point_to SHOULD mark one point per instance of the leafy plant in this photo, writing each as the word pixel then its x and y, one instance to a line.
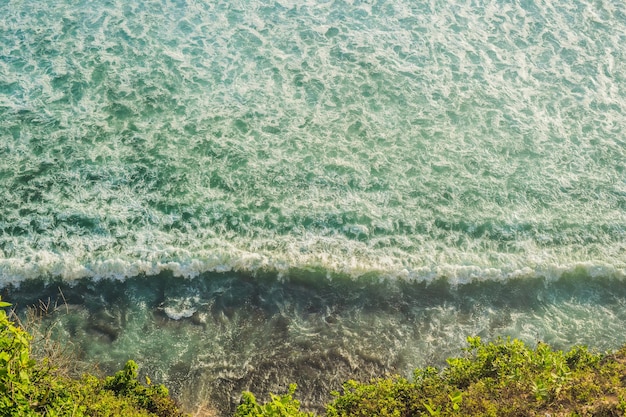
pixel 279 406
pixel 432 411
pixel 499 378
pixel 456 397
pixel 17 370
pixel 32 388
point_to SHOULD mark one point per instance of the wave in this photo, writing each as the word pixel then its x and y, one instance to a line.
pixel 48 266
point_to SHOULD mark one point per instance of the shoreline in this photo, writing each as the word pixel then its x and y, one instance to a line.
pixel 217 335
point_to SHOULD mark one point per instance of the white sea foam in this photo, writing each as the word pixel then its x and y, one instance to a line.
pixel 421 141
pixel 49 266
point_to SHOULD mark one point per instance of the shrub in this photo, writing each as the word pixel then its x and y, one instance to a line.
pixel 19 375
pixel 279 406
pixel 31 388
pixel 503 378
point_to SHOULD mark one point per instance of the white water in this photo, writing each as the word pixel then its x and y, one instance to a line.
pixel 465 140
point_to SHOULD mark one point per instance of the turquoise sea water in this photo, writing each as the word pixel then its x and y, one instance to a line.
pixel 245 193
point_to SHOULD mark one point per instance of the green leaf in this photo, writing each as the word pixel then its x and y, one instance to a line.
pixel 24 359
pixel 24 376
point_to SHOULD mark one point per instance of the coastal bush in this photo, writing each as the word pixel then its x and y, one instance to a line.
pixel 279 406
pixel 501 378
pixel 33 388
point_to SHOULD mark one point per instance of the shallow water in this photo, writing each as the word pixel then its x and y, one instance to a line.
pixel 362 183
pixel 233 332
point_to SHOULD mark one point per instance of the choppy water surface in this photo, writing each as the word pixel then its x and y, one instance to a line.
pixel 453 158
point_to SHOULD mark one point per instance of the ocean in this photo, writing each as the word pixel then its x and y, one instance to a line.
pixel 243 194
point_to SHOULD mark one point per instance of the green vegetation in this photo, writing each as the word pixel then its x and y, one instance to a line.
pixel 503 378
pixel 33 388
pixel 279 406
